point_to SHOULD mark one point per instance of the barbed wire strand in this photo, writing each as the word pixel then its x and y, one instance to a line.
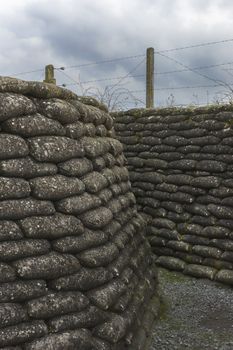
pixel 127 75
pixel 156 73
pixel 195 68
pixel 120 79
pixel 129 57
pixel 217 81
pixel 102 62
pixel 133 76
pixel 194 46
pixel 32 71
pixel 228 71
pixel 143 55
pixel 69 77
pixel 104 79
pixel 179 88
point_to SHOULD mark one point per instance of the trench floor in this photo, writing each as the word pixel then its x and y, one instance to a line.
pixel 196 314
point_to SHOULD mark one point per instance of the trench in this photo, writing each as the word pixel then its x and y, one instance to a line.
pixel 195 314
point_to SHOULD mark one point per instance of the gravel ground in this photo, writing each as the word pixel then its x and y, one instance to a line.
pixel 196 314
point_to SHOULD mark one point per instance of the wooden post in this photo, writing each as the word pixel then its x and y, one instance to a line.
pixel 150 77
pixel 49 74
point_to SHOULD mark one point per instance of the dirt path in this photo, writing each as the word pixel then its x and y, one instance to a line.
pixel 197 314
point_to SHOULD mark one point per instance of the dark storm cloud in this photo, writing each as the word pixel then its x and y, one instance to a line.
pixel 70 32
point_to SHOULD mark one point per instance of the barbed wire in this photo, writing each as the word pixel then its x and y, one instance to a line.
pixel 217 81
pixel 127 75
pixel 143 55
pixel 163 53
pixel 28 72
pixel 194 46
pixel 228 71
pixel 75 82
pixel 101 62
pixel 128 57
pixel 103 79
pixel 156 73
pixel 121 78
pixel 179 88
pixel 130 76
pixel 195 68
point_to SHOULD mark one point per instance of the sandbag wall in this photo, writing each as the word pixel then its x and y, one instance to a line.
pixel 181 170
pixel 75 269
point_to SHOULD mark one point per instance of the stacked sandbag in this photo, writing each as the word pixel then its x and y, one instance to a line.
pixel 75 269
pixel 181 170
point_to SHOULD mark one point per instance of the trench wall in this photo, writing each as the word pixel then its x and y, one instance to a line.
pixel 181 169
pixel 76 271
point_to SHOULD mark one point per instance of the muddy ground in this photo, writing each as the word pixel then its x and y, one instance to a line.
pixel 196 314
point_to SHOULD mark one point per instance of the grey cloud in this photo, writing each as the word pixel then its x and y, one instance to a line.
pixel 70 32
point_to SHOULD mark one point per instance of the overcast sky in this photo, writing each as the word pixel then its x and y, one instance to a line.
pixel 77 32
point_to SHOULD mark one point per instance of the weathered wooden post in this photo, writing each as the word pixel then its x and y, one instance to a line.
pixel 150 77
pixel 49 74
